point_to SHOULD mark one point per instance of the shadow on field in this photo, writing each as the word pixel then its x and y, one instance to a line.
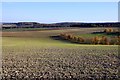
pixel 61 39
pixel 112 33
pixel 97 32
pixel 67 41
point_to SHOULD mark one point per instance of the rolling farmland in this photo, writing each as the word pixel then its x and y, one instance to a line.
pixel 35 55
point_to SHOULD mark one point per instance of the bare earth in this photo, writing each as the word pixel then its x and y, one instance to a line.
pixel 61 63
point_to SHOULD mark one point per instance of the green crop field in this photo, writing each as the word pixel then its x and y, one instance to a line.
pixel 35 55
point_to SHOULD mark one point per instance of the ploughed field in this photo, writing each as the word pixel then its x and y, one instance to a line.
pixel 35 55
pixel 60 63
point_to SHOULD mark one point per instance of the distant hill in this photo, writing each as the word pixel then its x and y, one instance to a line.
pixel 63 24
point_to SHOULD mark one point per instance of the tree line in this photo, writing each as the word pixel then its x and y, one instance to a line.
pixel 67 24
pixel 104 40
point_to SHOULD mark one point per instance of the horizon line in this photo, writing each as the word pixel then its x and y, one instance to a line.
pixel 64 22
